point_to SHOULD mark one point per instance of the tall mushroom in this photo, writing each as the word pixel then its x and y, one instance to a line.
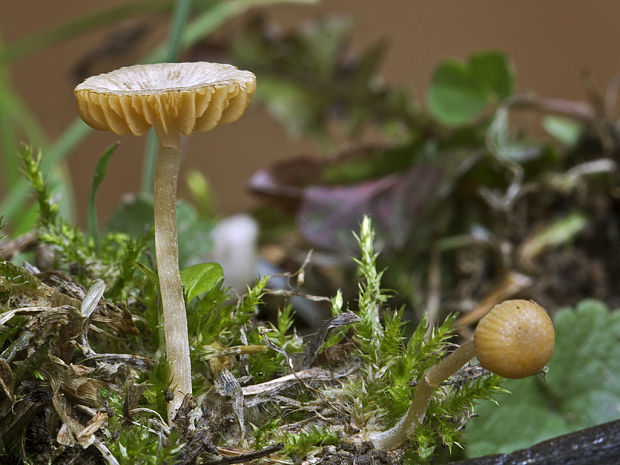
pixel 175 99
pixel 515 340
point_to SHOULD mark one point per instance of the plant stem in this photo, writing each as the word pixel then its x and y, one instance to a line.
pixel 166 250
pixel 433 377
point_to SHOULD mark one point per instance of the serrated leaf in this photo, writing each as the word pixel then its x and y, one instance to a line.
pixel 582 388
pixel 200 278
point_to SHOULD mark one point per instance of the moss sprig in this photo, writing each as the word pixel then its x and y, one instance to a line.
pixel 392 364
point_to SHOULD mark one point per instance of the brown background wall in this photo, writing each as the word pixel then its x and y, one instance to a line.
pixel 550 42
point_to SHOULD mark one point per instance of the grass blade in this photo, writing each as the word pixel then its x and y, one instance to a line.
pixel 206 23
pixel 91 211
pixel 196 30
pixel 81 25
pixel 8 141
pixel 182 10
pixel 214 17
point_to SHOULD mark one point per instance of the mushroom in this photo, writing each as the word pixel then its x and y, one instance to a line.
pixel 515 340
pixel 175 99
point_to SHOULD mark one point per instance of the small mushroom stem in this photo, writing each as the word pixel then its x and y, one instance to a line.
pixel 167 253
pixel 432 378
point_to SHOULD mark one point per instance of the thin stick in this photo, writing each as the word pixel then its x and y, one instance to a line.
pixel 511 284
pixel 246 457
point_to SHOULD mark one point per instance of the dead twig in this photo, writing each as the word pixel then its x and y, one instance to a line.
pixel 579 111
pixel 274 385
pixel 511 284
pixel 247 456
pixel 314 343
pixel 8 249
pixel 602 123
pixel 295 293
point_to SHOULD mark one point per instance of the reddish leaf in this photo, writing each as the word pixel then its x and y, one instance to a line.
pixel 329 214
pixel 284 183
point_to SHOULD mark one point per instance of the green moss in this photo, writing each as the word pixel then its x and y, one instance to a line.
pixel 381 360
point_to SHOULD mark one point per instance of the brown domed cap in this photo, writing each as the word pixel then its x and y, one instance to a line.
pixel 515 339
pixel 183 97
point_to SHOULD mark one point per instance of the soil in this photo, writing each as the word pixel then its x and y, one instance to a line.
pixel 42 450
pixel 356 454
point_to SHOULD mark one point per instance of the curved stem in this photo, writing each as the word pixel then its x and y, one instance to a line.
pixel 433 377
pixel 166 250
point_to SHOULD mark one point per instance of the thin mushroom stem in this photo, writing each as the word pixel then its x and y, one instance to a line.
pixel 166 250
pixel 432 378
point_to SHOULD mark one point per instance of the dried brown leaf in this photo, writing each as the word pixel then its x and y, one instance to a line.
pixel 7 380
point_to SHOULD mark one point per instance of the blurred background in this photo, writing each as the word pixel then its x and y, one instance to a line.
pixel 482 137
pixel 550 43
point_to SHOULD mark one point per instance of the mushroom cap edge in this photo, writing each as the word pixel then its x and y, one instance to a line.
pixel 185 97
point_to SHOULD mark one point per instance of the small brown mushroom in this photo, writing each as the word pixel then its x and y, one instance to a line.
pixel 174 99
pixel 515 340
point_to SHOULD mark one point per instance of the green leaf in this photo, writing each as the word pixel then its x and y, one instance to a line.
pixel 565 130
pixel 98 177
pixel 455 97
pixel 557 233
pixel 582 388
pixel 459 92
pixel 493 71
pixel 81 25
pixel 149 273
pixel 200 278
pixel 201 192
pixel 194 237
pixel 27 220
pixel 210 20
pixel 133 217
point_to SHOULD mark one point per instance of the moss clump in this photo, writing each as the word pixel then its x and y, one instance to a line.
pixel 85 338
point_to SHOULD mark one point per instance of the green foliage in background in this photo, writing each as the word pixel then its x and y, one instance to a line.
pixel 192 21
pixel 200 278
pixel 451 179
pixel 110 258
pixel 459 92
pixel 309 78
pixel 375 393
pixel 581 389
pixel 135 216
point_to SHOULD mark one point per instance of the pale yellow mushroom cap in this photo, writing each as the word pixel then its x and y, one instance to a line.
pixel 183 97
